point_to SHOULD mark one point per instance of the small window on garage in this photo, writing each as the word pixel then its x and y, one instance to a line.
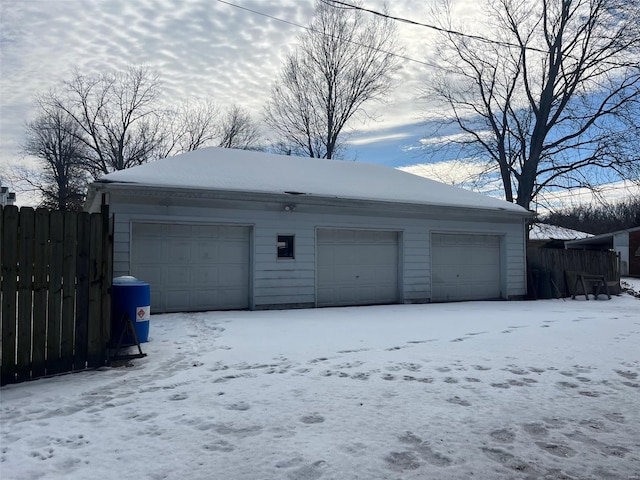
pixel 285 246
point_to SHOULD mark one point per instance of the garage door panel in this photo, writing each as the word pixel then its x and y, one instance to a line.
pixel 231 274
pixel 175 300
pixel 150 273
pixel 177 275
pixel 197 263
pixel 364 254
pixel 178 231
pixel 152 252
pixel 345 274
pixel 153 230
pixel 231 250
pixel 370 273
pixel 236 298
pixel 234 233
pixel 206 298
pixel 356 267
pixel 465 267
pixel 344 236
pixel 205 252
pixel 205 232
pixel 205 276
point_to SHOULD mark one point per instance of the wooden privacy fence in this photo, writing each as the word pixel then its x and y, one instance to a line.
pixel 54 296
pixel 551 269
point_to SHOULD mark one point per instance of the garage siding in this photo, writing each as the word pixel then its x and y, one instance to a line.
pixel 276 282
pixel 284 281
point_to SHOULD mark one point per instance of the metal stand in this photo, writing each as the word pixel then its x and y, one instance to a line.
pixel 127 326
pixel 596 281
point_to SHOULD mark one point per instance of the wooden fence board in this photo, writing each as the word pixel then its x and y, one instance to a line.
pixel 553 264
pixel 107 274
pixel 56 229
pixel 82 292
pixel 67 333
pixel 94 331
pixel 40 291
pixel 9 292
pixel 54 291
pixel 25 293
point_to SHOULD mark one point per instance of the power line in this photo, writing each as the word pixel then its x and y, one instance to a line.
pixel 322 33
pixel 432 27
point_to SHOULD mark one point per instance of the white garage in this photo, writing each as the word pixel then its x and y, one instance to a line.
pixel 218 229
pixel 356 267
pixel 192 267
pixel 465 267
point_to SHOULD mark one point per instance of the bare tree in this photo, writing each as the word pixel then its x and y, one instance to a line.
pixel 552 101
pixel 53 138
pixel 238 130
pixel 193 124
pixel 339 65
pixel 200 123
pixel 116 115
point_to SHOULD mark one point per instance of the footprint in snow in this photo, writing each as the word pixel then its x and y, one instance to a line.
pixel 503 435
pixel 178 396
pixel 459 401
pixel 309 472
pixel 313 418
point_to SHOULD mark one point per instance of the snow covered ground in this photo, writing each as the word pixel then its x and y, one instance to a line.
pixel 487 390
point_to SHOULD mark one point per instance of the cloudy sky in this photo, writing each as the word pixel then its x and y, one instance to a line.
pixel 204 49
pixel 201 48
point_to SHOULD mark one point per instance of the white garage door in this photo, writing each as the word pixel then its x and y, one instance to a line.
pixel 465 267
pixel 192 267
pixel 356 267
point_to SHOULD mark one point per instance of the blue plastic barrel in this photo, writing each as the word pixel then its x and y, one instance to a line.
pixel 130 297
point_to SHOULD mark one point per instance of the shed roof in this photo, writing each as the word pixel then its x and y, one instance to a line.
pixel 543 231
pixel 223 169
pixel 604 240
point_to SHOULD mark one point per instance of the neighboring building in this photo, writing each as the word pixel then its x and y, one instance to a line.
pixel 625 242
pixel 6 197
pixel 542 235
pixel 231 229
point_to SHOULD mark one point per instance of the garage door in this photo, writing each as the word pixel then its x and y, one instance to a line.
pixel 192 267
pixel 356 267
pixel 465 267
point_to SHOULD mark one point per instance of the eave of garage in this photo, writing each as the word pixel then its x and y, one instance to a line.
pixel 102 192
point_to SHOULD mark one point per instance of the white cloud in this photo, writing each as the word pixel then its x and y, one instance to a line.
pixel 465 172
pixel 454 138
pixel 610 192
pixel 479 177
pixel 201 48
pixel 365 140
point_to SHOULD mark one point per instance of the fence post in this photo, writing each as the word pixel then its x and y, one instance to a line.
pixel 94 330
pixel 56 227
pixel 107 275
pixel 82 292
pixel 41 260
pixel 25 293
pixel 67 333
pixel 9 293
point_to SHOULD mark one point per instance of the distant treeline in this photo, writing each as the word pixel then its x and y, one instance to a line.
pixel 597 219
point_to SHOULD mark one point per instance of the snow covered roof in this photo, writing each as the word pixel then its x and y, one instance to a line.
pixel 604 239
pixel 249 171
pixel 542 231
